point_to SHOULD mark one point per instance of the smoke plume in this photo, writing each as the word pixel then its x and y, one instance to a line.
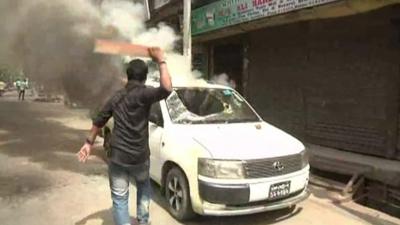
pixel 52 42
pixel 223 79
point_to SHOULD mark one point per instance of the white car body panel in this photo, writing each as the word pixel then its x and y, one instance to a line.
pixel 242 140
pixel 185 144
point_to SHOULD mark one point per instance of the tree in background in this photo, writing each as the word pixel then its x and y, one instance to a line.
pixel 10 75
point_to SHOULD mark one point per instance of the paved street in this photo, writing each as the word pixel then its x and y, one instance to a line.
pixel 41 182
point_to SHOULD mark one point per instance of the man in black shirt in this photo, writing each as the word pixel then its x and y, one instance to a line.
pixel 129 141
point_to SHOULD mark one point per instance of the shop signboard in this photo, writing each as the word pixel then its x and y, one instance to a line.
pixel 223 13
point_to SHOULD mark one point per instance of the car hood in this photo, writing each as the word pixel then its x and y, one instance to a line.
pixel 243 140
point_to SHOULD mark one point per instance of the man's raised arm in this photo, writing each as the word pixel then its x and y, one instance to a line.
pixel 165 79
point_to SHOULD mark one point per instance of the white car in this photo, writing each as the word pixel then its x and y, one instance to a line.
pixel 213 155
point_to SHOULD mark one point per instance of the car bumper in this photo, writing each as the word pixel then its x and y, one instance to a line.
pixel 224 198
pixel 267 206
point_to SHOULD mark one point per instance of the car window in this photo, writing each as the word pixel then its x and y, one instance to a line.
pixel 208 105
pixel 156 114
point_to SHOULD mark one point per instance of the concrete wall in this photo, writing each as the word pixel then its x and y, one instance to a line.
pixel 331 82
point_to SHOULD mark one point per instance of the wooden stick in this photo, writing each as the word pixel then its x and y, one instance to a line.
pixel 120 48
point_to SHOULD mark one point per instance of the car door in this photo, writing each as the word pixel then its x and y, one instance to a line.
pixel 156 130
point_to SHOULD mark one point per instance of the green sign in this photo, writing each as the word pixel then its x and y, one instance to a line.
pixel 225 13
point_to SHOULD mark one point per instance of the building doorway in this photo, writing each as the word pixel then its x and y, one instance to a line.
pixel 228 59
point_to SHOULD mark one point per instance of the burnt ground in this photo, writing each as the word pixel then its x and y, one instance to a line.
pixel 41 181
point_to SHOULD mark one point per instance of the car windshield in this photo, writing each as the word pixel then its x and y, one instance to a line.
pixel 208 105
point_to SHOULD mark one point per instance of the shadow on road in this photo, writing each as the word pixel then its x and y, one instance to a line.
pixel 256 219
pixel 29 130
pixel 16 187
pixel 105 216
pixel 261 218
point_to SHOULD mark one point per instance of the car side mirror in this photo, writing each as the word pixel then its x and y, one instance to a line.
pixel 154 118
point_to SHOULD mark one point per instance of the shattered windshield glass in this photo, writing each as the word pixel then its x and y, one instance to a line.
pixel 208 105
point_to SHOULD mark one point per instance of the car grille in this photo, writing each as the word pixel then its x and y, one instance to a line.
pixel 262 168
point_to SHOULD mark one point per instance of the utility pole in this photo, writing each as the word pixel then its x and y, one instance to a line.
pixel 187 32
pixel 147 8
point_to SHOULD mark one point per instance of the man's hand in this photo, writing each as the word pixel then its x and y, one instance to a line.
pixel 84 153
pixel 156 54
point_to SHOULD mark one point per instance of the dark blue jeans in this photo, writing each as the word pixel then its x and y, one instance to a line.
pixel 120 178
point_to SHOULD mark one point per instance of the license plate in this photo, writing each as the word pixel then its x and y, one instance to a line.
pixel 279 190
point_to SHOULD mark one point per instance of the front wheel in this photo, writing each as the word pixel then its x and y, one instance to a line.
pixel 178 195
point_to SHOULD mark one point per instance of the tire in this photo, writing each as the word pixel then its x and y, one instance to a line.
pixel 106 143
pixel 177 194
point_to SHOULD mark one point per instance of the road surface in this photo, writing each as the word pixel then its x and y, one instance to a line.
pixel 41 181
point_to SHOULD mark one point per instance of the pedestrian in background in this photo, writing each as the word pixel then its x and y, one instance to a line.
pixel 21 86
pixel 2 87
pixel 129 144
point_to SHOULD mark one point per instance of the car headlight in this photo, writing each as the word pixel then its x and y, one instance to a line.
pixel 304 158
pixel 222 169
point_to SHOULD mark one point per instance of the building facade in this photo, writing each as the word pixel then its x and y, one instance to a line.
pixel 326 71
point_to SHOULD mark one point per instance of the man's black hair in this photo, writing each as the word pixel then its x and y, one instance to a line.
pixel 137 70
